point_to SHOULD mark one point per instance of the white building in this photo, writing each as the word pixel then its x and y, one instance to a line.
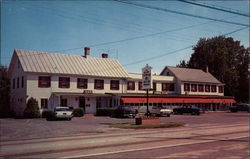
pixel 91 82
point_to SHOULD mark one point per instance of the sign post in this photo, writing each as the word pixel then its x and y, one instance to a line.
pixel 147 81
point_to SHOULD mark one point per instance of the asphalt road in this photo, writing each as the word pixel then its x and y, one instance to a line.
pixel 215 135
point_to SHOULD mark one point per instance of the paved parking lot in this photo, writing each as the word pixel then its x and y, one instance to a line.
pixel 15 129
pixel 211 135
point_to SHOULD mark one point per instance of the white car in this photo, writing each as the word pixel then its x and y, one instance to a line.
pixel 166 112
pixel 63 113
pixel 155 111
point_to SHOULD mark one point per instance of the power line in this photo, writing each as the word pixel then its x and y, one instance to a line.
pixel 169 53
pixel 180 13
pixel 96 22
pixel 151 58
pixel 215 8
pixel 134 38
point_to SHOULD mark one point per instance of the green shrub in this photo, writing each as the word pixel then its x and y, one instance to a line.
pixel 32 109
pixel 78 112
pixel 105 111
pixel 47 114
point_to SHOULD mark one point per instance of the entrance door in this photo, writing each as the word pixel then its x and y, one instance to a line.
pixel 82 103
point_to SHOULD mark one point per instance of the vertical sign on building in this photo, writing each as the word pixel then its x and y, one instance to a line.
pixel 146 77
pixel 147 81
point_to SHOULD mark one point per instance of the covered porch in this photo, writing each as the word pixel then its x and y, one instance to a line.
pixel 88 102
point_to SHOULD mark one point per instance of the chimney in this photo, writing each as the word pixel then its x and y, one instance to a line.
pixel 104 55
pixel 86 52
pixel 207 69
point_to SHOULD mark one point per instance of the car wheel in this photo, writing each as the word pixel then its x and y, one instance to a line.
pixel 168 115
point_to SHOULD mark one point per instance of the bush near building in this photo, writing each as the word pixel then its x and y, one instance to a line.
pixel 78 112
pixel 32 109
pixel 105 111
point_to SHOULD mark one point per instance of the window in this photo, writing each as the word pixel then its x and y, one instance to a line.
pixel 44 103
pixel 140 85
pixel 63 102
pixel 221 89
pixel 82 83
pixel 17 82
pixel 43 81
pixel 99 84
pixel 131 85
pixel 201 88
pixel 171 87
pixel 13 83
pixel 213 88
pixel 207 88
pixel 167 86
pixel 194 87
pixel 154 86
pixel 22 81
pixel 114 84
pixel 64 82
pixel 186 87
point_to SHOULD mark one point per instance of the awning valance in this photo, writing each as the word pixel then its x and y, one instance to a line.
pixel 177 100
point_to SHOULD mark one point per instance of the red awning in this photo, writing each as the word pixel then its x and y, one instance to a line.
pixel 177 100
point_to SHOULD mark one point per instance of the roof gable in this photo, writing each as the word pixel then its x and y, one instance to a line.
pixel 44 62
pixel 192 75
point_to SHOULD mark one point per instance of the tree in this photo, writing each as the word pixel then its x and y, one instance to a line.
pixel 182 64
pixel 4 93
pixel 32 109
pixel 227 60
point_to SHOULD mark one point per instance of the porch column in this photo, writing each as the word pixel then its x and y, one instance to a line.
pixel 59 100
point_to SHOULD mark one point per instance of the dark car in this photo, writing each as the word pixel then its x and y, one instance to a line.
pixel 187 110
pixel 240 107
pixel 125 111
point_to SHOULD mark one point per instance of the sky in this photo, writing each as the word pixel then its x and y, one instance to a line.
pixel 135 35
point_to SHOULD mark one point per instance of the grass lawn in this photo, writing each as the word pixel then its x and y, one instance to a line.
pixel 148 126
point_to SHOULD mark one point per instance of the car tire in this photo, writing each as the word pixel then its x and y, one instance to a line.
pixel 168 115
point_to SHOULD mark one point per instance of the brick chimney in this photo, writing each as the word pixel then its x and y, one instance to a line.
pixel 104 55
pixel 207 70
pixel 86 52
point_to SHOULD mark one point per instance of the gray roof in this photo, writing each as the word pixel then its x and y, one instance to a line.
pixel 192 75
pixel 44 62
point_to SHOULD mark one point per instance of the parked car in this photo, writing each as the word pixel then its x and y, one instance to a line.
pixel 188 110
pixel 155 111
pixel 125 111
pixel 63 113
pixel 240 107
